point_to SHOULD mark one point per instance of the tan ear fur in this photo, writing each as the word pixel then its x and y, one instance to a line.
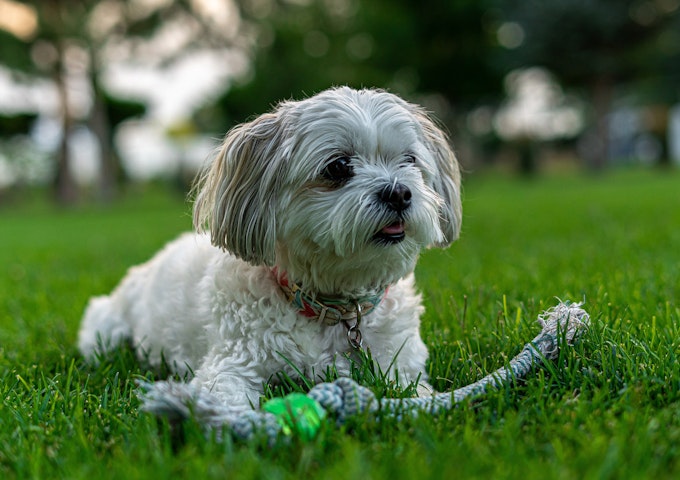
pixel 447 181
pixel 236 194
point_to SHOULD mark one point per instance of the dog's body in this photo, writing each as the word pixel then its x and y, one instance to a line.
pixel 312 210
pixel 230 322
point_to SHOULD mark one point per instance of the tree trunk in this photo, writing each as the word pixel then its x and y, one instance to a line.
pixel 65 188
pixel 99 123
pixel 597 152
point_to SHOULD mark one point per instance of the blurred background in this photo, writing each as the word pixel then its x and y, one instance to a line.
pixel 97 95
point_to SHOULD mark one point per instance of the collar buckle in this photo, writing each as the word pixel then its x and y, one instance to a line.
pixel 354 337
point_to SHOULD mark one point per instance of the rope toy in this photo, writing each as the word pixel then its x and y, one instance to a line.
pixel 302 415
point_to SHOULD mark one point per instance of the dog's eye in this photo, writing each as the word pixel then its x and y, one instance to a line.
pixel 410 158
pixel 338 170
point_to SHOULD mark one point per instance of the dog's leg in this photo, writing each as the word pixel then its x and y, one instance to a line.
pixel 424 389
pixel 230 380
pixel 102 330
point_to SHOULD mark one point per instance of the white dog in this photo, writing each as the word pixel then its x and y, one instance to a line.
pixel 310 221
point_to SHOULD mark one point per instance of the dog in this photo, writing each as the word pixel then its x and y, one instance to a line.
pixel 309 222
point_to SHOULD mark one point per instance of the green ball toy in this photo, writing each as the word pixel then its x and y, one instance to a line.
pixel 297 414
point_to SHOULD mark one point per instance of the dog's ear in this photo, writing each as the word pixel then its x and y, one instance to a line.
pixel 236 194
pixel 447 178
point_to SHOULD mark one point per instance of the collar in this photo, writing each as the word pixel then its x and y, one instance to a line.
pixel 327 310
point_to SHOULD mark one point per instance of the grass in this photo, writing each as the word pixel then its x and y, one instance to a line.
pixel 608 408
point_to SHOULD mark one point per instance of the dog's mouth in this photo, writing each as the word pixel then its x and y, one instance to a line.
pixel 392 233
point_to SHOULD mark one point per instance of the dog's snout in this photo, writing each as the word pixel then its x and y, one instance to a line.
pixel 397 196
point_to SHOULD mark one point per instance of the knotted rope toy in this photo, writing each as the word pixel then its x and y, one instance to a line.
pixel 302 415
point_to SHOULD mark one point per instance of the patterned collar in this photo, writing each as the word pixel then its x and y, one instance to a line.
pixel 329 311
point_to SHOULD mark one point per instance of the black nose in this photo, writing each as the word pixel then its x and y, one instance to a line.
pixel 397 196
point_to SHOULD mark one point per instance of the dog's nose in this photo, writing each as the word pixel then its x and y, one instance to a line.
pixel 397 196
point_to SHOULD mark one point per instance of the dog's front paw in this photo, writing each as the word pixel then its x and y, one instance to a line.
pixel 424 390
pixel 178 401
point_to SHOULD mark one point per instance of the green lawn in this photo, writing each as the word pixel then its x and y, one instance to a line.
pixel 608 408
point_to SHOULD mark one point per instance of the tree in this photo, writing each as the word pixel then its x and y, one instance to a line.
pixel 591 44
pixel 415 50
pixel 80 37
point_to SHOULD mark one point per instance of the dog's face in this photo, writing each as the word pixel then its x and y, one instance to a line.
pixel 341 190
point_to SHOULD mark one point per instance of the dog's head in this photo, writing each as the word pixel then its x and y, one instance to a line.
pixel 341 190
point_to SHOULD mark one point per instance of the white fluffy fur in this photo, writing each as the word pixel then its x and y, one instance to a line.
pixel 209 304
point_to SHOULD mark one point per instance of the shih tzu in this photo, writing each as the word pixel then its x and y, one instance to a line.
pixel 310 220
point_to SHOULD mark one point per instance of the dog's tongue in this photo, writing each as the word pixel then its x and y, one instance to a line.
pixel 395 228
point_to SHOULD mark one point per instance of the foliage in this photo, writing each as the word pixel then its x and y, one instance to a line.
pixel 16 124
pixel 13 53
pixel 609 408
pixel 595 46
pixel 582 40
pixel 304 47
pixel 75 39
